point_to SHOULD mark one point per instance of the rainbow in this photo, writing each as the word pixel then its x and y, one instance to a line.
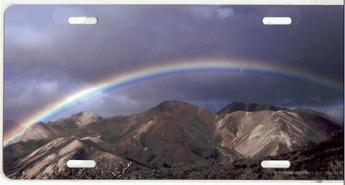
pixel 164 69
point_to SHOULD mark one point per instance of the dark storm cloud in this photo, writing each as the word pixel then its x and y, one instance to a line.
pixel 48 58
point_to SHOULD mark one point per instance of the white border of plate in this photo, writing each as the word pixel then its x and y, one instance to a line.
pixel 4 4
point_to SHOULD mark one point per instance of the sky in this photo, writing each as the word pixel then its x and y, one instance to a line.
pixel 47 59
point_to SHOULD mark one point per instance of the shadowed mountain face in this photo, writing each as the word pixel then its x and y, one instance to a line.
pixel 169 135
pixel 251 107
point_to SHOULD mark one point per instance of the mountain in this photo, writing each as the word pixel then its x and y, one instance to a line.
pixel 74 121
pixel 170 135
pixel 52 157
pixel 270 131
pixel 320 161
pixel 42 131
pixel 19 149
pixel 251 107
pixel 38 131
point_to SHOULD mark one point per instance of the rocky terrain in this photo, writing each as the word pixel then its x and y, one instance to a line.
pixel 269 131
pixel 180 140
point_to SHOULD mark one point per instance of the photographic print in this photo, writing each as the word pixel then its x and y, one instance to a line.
pixel 173 92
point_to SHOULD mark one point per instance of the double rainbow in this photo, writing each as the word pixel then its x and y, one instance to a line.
pixel 159 70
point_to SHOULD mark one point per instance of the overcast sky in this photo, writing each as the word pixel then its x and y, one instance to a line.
pixel 46 58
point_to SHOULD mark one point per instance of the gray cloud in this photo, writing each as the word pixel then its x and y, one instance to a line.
pixel 212 12
pixel 47 58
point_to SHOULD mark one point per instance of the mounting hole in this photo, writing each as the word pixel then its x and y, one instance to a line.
pixel 275 164
pixel 81 164
pixel 277 20
pixel 82 20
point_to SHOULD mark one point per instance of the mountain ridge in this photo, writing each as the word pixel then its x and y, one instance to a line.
pixel 175 133
pixel 249 107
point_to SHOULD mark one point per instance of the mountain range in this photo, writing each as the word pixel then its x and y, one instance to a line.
pixel 168 136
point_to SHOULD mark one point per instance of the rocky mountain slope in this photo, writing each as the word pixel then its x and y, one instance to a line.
pixel 74 121
pixel 42 131
pixel 250 107
pixel 170 134
pixel 39 131
pixel 53 156
pixel 314 162
pixel 269 132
